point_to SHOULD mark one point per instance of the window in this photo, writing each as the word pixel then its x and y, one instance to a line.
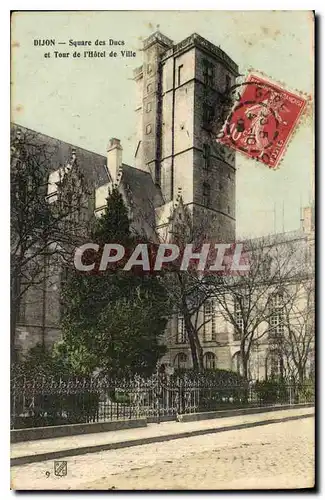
pixel 149 87
pixel 238 311
pixel 228 82
pixel 209 327
pixel 22 310
pixel 180 360
pixel 274 365
pixel 228 209
pixel 206 156
pixel 208 115
pixel 148 129
pixel 209 361
pixel 206 194
pixel 236 362
pixel 208 73
pixel 148 107
pixel 149 68
pixel 276 320
pixel 181 337
pixel 179 77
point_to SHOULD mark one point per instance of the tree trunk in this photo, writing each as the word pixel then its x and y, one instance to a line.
pixel 14 310
pixel 197 357
pixel 245 359
pixel 13 324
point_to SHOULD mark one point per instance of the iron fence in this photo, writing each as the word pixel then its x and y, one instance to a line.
pixel 45 402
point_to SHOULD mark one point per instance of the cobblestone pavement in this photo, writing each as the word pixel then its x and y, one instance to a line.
pixel 278 455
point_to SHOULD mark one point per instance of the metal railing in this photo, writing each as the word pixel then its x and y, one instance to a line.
pixel 57 401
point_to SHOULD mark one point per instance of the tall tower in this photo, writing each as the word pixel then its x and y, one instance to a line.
pixel 179 88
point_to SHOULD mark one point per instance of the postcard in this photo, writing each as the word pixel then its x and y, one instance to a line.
pixel 162 250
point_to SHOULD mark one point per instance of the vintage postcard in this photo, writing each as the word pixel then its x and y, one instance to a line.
pixel 162 250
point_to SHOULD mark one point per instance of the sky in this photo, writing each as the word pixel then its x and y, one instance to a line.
pixel 87 101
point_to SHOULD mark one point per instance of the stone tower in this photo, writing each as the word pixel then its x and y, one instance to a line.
pixel 178 90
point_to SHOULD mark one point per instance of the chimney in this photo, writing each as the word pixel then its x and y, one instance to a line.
pixel 114 157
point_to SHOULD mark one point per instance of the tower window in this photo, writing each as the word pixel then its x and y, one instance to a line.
pixel 208 115
pixel 208 73
pixel 149 87
pixel 228 82
pixel 206 194
pixel 149 107
pixel 179 79
pixel 206 156
pixel 149 68
pixel 148 129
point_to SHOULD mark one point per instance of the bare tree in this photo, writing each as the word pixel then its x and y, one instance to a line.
pixel 298 340
pixel 187 288
pixel 41 231
pixel 247 301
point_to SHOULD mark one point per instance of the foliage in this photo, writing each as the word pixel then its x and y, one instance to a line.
pixel 271 391
pixel 216 376
pixel 39 230
pixel 113 321
pixel 306 392
pixel 39 362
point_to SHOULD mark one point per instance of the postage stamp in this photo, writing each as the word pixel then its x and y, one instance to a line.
pixel 262 120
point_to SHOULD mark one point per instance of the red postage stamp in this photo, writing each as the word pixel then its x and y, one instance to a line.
pixel 262 120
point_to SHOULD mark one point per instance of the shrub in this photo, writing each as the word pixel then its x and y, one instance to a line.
pixel 271 391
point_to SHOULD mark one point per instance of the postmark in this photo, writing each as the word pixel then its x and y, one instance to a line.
pixel 262 120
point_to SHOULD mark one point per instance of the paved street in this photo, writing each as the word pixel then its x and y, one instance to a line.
pixel 279 455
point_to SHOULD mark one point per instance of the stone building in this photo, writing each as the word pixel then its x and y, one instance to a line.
pixel 177 164
pixel 176 158
pixel 218 335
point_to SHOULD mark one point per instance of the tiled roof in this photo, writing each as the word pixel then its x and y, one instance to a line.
pixel 93 165
pixel 145 195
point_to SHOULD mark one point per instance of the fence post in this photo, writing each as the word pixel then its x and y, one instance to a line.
pixel 180 398
pixel 158 397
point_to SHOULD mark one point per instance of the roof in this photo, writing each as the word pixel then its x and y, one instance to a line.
pixel 93 165
pixel 145 195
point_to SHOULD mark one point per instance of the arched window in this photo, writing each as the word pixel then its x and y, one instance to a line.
pixel 180 360
pixel 274 364
pixel 209 360
pixel 236 362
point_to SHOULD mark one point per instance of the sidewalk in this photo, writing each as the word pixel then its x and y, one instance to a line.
pixel 45 449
